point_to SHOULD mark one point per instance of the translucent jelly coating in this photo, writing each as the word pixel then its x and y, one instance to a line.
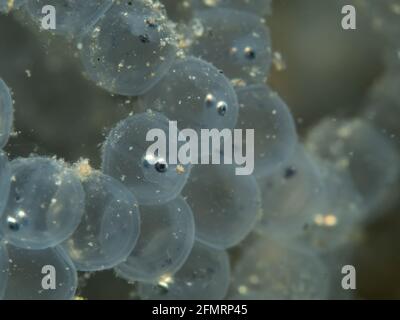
pixel 383 105
pixel 7 6
pixel 109 228
pixel 166 240
pixel 359 148
pixel 196 95
pixel 279 270
pixel 225 205
pixel 260 7
pixel 126 157
pixel 73 17
pixel 5 181
pixel 275 136
pixel 291 196
pixel 341 212
pixel 385 17
pixel 6 113
pixel 178 10
pixel 3 269
pixel 32 274
pixel 45 204
pixel 236 42
pixel 204 276
pixel 130 48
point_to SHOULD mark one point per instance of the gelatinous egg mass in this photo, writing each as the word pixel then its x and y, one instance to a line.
pixel 110 225
pixel 128 158
pixel 203 186
pixel 166 240
pixel 130 48
pixel 205 275
pixel 45 204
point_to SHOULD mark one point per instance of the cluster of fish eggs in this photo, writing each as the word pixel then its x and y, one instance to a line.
pixel 167 227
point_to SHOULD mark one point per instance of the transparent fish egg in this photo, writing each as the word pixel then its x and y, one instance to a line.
pixel 110 225
pixel 204 276
pixel 129 49
pixel 196 95
pixel 341 212
pixel 225 205
pixel 45 204
pixel 236 42
pixel 291 196
pixel 166 240
pixel 358 147
pixel 276 270
pixel 275 136
pixel 127 158
pixel 45 274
